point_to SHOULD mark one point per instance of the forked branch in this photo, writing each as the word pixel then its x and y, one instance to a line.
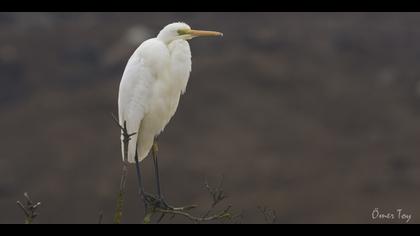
pixel 156 206
pixel 29 209
pixel 120 198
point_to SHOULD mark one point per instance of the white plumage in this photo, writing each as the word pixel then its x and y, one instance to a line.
pixel 155 77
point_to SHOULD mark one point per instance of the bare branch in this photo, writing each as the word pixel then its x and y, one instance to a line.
pixel 121 193
pixel 224 214
pixel 29 209
pixel 156 205
pixel 120 197
pixel 217 194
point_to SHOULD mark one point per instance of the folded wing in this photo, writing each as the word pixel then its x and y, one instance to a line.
pixel 133 100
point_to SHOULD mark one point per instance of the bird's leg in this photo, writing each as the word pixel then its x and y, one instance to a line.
pixel 141 188
pixel 160 201
pixel 152 202
pixel 155 161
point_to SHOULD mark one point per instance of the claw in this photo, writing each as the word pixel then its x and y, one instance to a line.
pixel 154 202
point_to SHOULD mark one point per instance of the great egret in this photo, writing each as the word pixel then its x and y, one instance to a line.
pixel 155 77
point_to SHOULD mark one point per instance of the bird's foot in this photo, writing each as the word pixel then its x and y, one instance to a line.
pixel 146 197
pixel 156 202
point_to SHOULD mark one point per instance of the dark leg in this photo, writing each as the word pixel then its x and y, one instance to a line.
pixel 155 161
pixel 141 188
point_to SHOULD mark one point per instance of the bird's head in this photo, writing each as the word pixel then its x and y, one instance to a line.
pixel 183 31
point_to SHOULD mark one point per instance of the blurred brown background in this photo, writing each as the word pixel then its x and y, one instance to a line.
pixel 315 115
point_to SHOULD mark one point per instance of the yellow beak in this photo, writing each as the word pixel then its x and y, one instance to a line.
pixel 197 33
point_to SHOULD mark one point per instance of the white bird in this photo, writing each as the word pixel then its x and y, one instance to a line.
pixel 155 77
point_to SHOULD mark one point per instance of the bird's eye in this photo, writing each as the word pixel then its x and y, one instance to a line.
pixel 182 31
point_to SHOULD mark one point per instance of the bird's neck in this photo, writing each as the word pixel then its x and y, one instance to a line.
pixel 164 38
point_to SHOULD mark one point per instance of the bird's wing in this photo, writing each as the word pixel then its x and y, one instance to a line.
pixel 133 100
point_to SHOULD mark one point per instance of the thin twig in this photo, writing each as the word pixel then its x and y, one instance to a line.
pixel 120 198
pixel 158 206
pixel 29 209
pixel 224 214
pixel 217 194
pixel 125 134
pixel 121 193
